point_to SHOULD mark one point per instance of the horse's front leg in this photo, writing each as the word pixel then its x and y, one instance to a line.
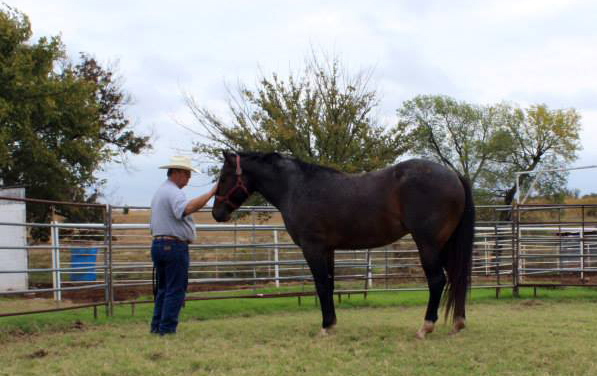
pixel 321 263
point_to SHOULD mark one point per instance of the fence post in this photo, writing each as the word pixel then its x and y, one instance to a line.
pixel 276 259
pixel 368 280
pixel 561 262
pixel 110 282
pixel 582 245
pixel 254 241
pixel 497 246
pixel 386 264
pixel 589 255
pixel 55 235
pixel 515 249
pixel 487 259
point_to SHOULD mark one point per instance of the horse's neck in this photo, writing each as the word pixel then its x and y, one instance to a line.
pixel 277 184
pixel 272 186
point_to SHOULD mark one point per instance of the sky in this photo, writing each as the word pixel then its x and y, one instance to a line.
pixel 484 52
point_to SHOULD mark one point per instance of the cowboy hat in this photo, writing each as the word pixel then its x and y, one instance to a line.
pixel 180 162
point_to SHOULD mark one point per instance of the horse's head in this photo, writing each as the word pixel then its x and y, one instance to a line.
pixel 233 188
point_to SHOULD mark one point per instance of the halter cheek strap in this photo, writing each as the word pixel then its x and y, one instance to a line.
pixel 239 185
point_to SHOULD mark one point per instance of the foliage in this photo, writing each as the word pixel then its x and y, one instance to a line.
pixel 532 139
pixel 323 116
pixel 59 122
pixel 453 133
pixel 489 144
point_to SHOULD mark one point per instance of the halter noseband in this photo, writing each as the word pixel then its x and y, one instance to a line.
pixel 239 185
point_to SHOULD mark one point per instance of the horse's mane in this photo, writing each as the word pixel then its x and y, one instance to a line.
pixel 311 169
pixel 271 158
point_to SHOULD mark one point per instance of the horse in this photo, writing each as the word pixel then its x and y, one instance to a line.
pixel 324 209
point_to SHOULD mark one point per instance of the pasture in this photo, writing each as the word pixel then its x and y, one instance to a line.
pixel 553 334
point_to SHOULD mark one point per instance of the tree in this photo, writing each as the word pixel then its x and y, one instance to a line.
pixel 59 122
pixel 323 116
pixel 532 139
pixel 489 144
pixel 456 134
pixel 115 131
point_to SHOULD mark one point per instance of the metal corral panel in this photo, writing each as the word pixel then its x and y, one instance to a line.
pixel 13 259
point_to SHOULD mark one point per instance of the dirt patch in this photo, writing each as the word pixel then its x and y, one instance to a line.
pixel 79 325
pixel 156 356
pixel 38 354
pixel 87 345
pixel 11 336
pixel 531 303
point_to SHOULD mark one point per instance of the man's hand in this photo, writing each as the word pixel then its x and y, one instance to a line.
pixel 198 202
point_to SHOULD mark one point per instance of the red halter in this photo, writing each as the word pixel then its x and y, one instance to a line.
pixel 239 185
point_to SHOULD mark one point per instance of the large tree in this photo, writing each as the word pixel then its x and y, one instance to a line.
pixel 531 139
pixel 60 121
pixel 323 115
pixel 489 144
pixel 456 134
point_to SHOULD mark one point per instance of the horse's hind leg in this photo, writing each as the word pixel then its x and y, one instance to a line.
pixel 436 280
pixel 318 260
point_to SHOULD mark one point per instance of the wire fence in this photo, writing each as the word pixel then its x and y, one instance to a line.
pixel 106 263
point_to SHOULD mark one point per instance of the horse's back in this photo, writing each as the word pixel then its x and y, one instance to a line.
pixel 376 208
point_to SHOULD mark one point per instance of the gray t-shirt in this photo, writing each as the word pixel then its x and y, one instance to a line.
pixel 167 213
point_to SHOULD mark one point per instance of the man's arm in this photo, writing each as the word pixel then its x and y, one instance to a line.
pixel 198 202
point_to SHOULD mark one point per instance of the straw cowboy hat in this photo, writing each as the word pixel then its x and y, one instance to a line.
pixel 180 162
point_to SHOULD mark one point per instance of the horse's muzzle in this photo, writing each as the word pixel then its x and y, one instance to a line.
pixel 220 214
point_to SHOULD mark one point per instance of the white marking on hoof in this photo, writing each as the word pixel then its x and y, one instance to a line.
pixel 328 331
pixel 427 327
pixel 458 325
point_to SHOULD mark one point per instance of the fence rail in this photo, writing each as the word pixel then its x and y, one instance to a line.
pixel 108 263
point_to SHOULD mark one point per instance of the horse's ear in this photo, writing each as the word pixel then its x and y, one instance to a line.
pixel 228 156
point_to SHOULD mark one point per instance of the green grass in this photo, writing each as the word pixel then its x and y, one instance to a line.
pixel 551 335
pixel 217 309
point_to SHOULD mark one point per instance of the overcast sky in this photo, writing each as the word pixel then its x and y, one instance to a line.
pixel 519 51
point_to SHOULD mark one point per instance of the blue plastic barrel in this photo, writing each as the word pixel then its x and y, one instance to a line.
pixel 81 258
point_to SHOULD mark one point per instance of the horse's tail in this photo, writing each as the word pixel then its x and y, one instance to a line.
pixel 459 256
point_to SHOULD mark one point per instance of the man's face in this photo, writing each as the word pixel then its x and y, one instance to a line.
pixel 181 177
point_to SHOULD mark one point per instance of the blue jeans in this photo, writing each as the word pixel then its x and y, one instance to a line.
pixel 171 261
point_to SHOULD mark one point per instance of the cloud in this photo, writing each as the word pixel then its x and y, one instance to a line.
pixel 524 51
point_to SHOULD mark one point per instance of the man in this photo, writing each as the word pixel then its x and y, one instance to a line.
pixel 173 230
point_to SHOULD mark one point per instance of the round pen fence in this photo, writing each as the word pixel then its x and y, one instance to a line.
pixel 76 265
pixel 556 245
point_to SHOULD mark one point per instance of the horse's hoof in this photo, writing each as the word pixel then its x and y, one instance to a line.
pixel 427 327
pixel 327 331
pixel 458 325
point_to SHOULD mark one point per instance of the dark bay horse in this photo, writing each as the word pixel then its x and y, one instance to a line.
pixel 324 209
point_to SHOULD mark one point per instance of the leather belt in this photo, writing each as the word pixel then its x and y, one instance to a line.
pixel 168 237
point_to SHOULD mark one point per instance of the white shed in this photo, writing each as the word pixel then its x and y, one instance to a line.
pixel 13 236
